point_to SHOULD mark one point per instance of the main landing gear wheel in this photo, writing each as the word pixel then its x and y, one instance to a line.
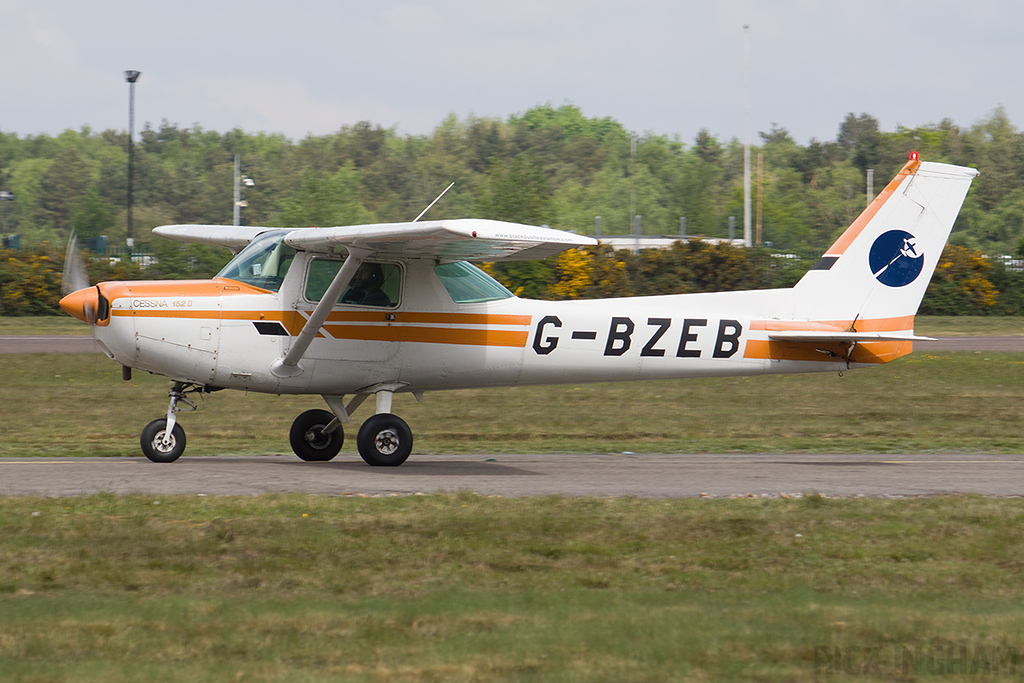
pixel 308 439
pixel 153 445
pixel 384 440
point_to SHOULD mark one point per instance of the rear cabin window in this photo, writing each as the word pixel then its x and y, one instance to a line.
pixel 374 284
pixel 467 284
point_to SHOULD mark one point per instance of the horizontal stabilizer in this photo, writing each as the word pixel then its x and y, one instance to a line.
pixel 822 337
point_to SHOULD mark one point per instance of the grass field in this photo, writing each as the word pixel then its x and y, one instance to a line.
pixel 57 325
pixel 465 588
pixel 53 404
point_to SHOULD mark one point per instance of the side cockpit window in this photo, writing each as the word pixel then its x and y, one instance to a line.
pixel 263 263
pixel 374 284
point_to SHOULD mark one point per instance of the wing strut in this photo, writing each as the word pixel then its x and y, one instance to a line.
pixel 288 365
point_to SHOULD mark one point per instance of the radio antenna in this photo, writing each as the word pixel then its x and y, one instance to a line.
pixel 431 204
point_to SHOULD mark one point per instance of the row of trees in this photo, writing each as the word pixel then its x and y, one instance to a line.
pixel 965 282
pixel 548 165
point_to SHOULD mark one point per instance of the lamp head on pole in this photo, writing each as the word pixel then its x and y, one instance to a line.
pixel 132 76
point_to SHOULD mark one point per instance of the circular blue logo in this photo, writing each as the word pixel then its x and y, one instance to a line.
pixel 894 258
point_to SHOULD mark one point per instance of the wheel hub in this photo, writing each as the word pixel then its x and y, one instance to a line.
pixel 316 438
pixel 163 442
pixel 387 441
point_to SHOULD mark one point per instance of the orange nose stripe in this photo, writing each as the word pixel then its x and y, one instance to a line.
pixel 82 304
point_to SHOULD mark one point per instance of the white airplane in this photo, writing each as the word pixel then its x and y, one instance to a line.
pixel 371 310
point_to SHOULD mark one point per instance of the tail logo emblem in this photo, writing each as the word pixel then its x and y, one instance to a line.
pixel 894 258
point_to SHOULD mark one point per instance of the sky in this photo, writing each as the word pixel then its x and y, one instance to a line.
pixel 668 67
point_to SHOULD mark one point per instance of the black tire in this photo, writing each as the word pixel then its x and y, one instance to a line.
pixel 308 440
pixel 384 440
pixel 152 441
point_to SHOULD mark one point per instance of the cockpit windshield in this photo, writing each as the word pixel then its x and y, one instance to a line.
pixel 263 263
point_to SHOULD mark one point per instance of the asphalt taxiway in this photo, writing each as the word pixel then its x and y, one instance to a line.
pixel 641 475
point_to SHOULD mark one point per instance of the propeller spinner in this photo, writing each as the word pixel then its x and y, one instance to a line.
pixel 80 300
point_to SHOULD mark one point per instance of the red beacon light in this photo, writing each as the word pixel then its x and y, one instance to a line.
pixel 913 156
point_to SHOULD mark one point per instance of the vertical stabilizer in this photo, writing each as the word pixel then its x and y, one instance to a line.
pixel 878 270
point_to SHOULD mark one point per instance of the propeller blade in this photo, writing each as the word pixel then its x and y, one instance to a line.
pixel 75 276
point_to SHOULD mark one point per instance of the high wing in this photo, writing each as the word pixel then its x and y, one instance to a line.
pixel 467 239
pixel 233 237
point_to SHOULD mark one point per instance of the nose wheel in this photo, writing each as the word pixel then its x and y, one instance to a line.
pixel 160 446
pixel 163 440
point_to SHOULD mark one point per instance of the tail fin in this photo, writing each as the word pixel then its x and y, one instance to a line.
pixel 875 275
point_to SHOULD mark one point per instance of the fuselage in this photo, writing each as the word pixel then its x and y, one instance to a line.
pixel 433 335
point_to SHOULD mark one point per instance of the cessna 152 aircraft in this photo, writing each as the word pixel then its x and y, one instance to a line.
pixel 371 310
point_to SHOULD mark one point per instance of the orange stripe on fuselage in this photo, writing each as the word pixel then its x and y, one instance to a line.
pixel 405 327
pixel 386 315
pixel 430 335
pixel 852 232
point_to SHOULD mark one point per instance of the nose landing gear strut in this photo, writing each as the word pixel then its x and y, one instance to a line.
pixel 163 440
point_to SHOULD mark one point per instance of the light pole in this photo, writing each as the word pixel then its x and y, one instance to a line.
pixel 239 181
pixel 131 76
pixel 5 197
pixel 746 136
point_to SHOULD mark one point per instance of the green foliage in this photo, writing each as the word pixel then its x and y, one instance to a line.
pixel 1010 288
pixel 516 192
pixel 324 200
pixel 530 279
pixel 861 138
pixel 92 217
pixel 573 272
pixel 567 118
pixel 29 282
pixel 548 165
pixel 175 261
pixel 602 272
pixel 960 285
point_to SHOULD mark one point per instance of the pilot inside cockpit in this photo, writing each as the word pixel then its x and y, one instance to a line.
pixel 365 287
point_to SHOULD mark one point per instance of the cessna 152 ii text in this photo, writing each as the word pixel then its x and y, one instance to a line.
pixel 370 310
